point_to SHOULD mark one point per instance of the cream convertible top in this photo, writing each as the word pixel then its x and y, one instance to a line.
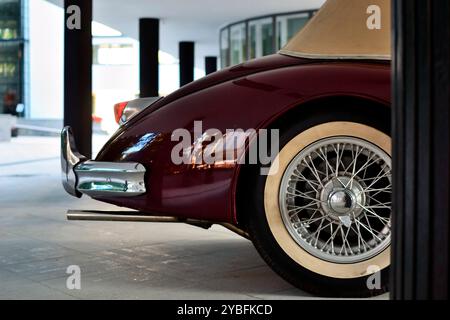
pixel 340 31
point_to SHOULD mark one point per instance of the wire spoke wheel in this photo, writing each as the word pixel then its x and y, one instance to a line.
pixel 335 199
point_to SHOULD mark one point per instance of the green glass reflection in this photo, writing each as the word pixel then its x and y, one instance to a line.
pixel 224 48
pixel 260 37
pixel 288 26
pixel 267 38
pixel 238 44
pixel 103 186
pixel 10 18
pixel 10 76
pixel 257 37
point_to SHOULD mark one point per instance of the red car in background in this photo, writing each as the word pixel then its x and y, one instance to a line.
pixel 319 212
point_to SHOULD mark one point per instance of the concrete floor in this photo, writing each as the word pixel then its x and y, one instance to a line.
pixel 117 260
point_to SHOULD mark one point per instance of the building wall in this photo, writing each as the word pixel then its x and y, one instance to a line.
pixel 46 56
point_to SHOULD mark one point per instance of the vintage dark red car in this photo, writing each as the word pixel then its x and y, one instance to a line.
pixel 319 212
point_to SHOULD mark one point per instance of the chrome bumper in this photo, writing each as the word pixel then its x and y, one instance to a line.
pixel 98 179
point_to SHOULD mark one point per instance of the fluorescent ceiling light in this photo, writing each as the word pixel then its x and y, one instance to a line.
pixel 167 58
pixel 101 30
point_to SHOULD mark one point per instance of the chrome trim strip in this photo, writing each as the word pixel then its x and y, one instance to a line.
pixel 104 179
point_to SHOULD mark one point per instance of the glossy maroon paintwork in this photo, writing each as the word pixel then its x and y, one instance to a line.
pixel 251 95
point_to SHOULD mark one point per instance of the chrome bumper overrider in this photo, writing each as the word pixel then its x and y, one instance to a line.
pixel 95 178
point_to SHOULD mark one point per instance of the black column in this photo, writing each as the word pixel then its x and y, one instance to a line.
pixel 421 155
pixel 78 72
pixel 148 55
pixel 210 65
pixel 186 56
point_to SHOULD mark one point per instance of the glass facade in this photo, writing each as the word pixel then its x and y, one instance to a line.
pixel 12 55
pixel 258 37
pixel 10 19
pixel 238 45
pixel 225 47
pixel 288 26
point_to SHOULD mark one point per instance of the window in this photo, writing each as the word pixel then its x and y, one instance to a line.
pixel 238 44
pixel 225 48
pixel 10 16
pixel 260 38
pixel 288 26
pixel 10 75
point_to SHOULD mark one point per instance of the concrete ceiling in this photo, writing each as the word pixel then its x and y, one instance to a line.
pixel 189 20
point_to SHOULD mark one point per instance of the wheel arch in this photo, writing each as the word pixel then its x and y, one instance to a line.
pixel 375 110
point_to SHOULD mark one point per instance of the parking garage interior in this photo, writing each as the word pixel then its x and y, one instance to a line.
pixel 52 76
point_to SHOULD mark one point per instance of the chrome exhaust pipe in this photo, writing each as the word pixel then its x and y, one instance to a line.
pixel 136 216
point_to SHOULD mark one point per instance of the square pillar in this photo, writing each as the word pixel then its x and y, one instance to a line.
pixel 186 56
pixel 148 56
pixel 421 149
pixel 78 72
pixel 210 65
